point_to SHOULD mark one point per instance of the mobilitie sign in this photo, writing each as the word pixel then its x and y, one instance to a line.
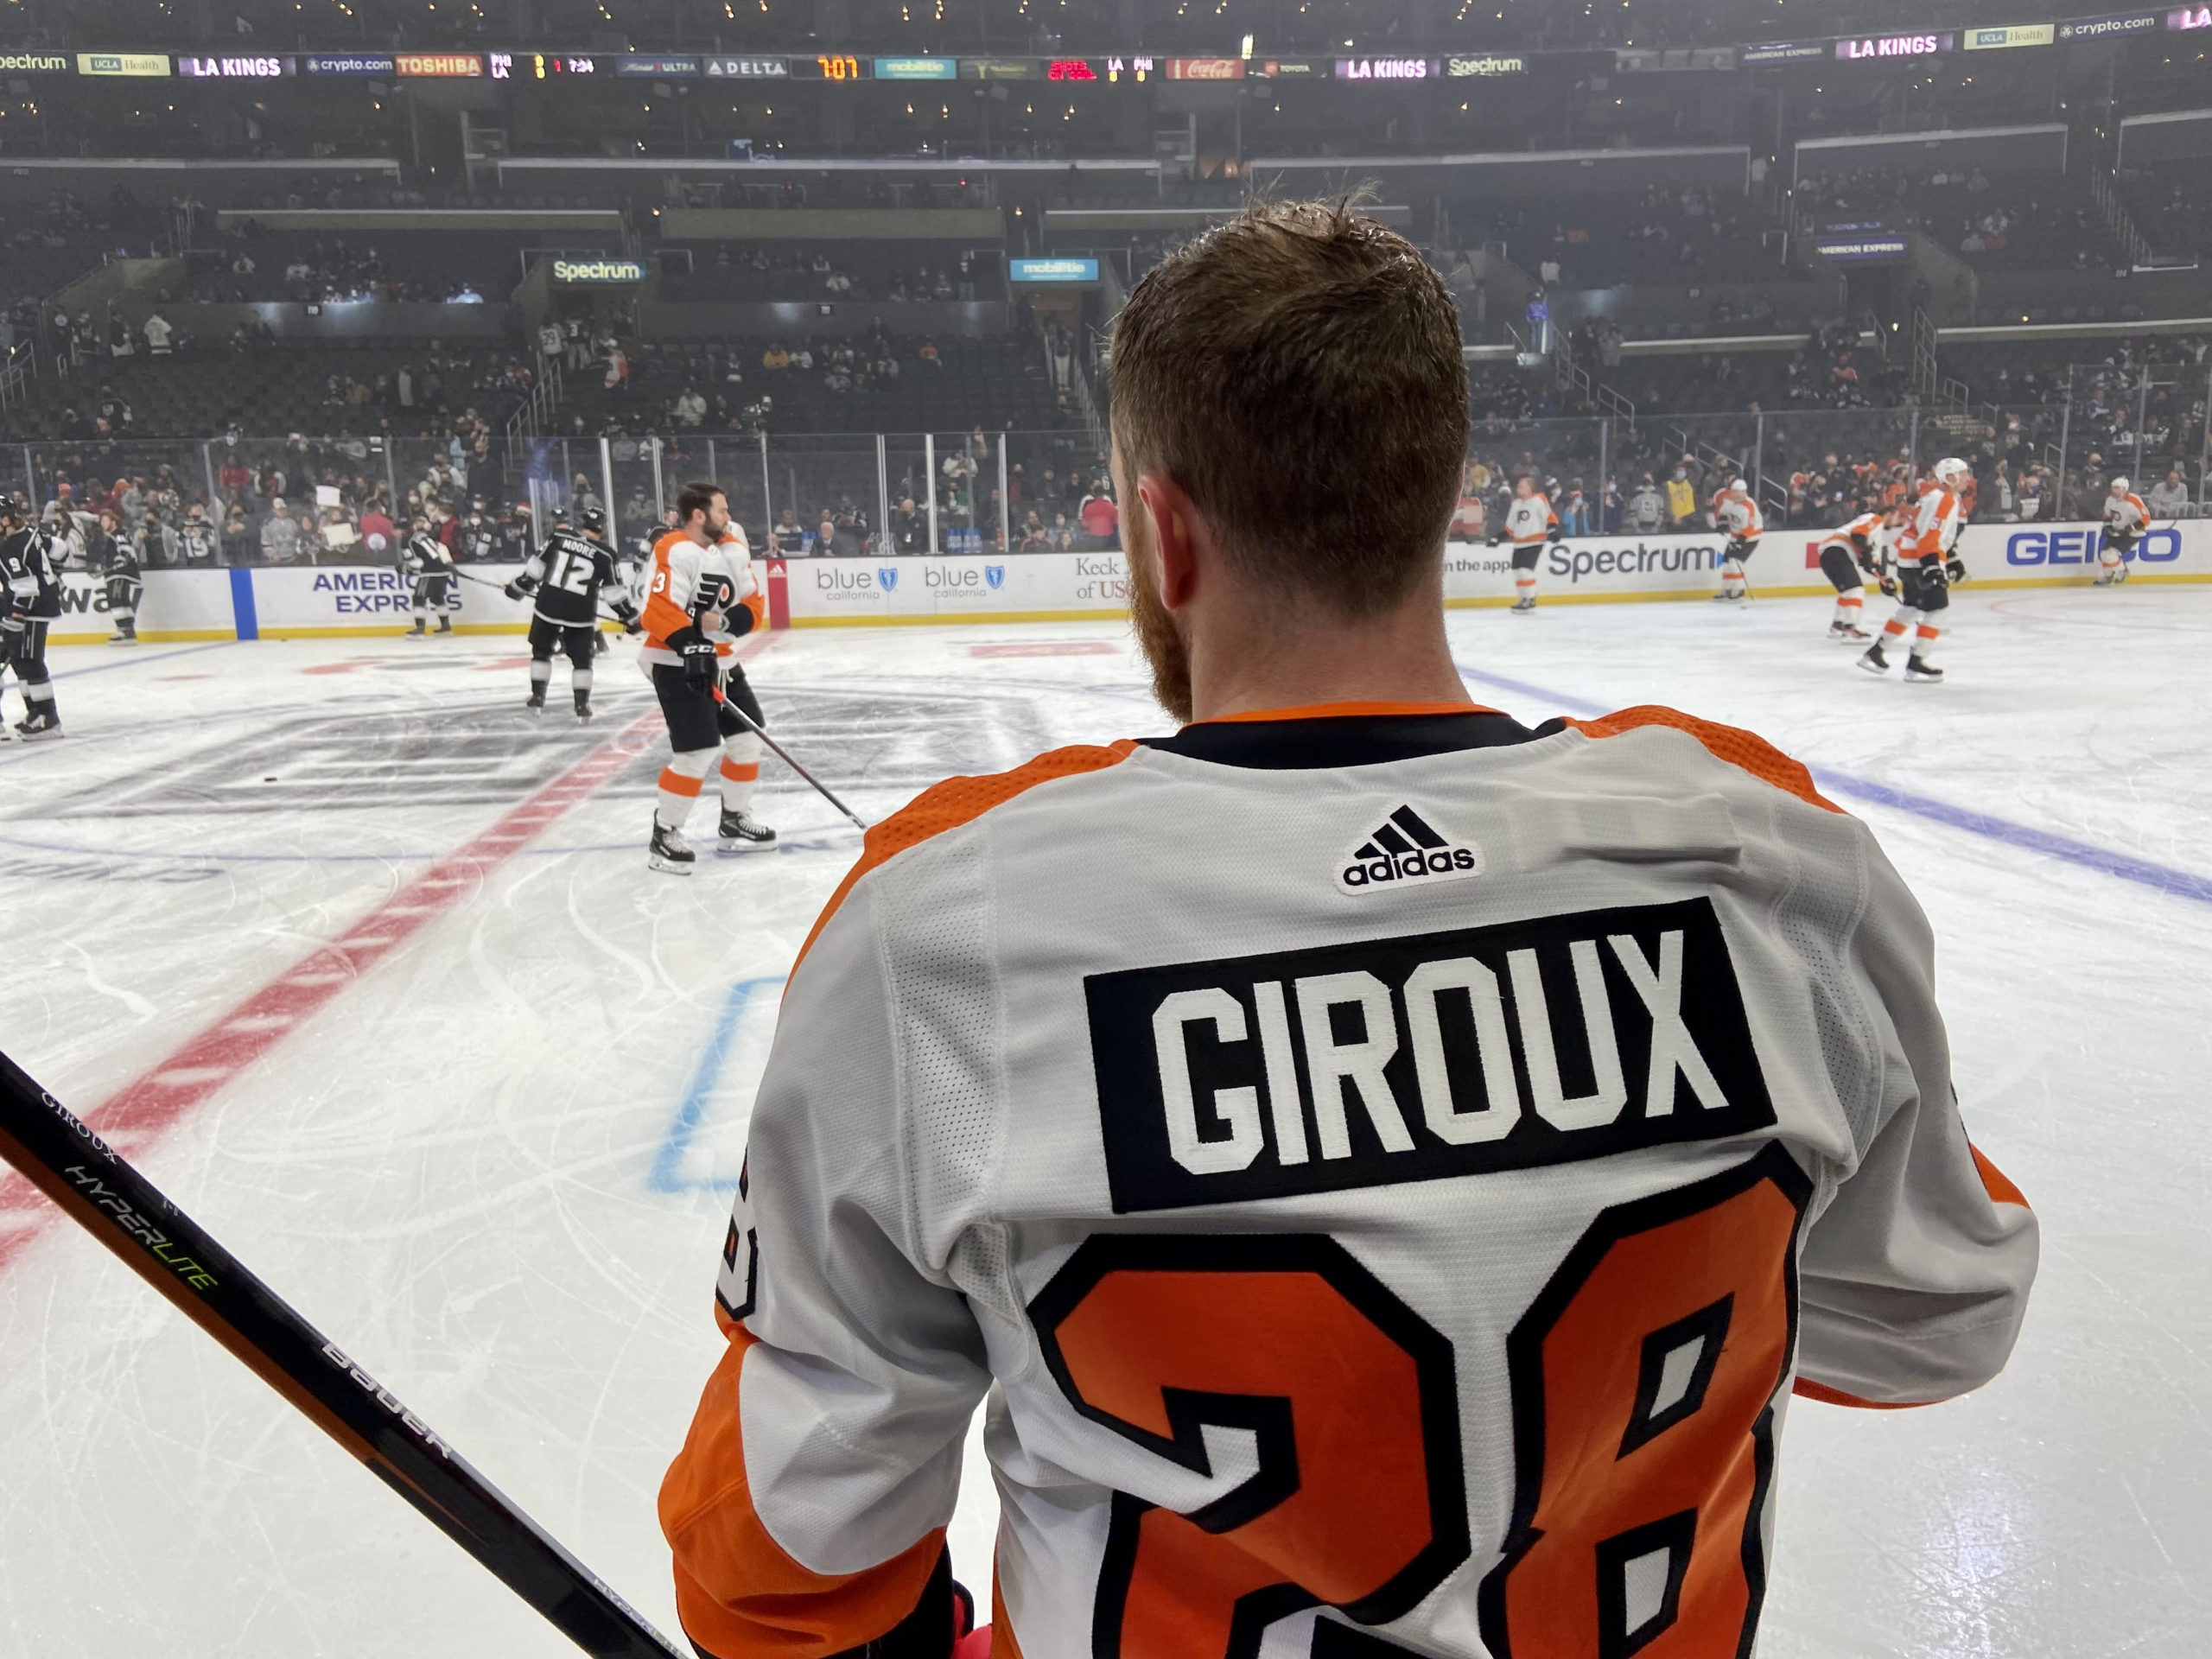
pixel 349 63
pixel 579 271
pixel 1052 270
pixel 918 69
pixel 1864 248
pixel 146 64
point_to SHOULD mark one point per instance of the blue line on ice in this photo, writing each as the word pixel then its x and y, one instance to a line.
pixel 2161 878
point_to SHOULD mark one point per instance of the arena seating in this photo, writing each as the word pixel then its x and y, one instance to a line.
pixel 2008 221
pixel 875 271
pixel 1001 383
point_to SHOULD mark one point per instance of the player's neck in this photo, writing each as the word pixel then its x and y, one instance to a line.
pixel 1245 665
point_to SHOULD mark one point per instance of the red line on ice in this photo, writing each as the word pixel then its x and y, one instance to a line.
pixel 135 1115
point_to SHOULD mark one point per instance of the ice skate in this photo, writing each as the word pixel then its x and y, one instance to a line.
pixel 1522 606
pixel 1872 659
pixel 669 852
pixel 1921 673
pixel 536 704
pixel 42 724
pixel 1847 630
pixel 739 832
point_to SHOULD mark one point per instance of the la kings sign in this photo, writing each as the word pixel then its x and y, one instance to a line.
pixel 1535 1042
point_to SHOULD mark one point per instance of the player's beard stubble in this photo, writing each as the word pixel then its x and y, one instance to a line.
pixel 1157 635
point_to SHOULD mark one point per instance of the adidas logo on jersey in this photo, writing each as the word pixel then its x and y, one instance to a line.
pixel 1406 848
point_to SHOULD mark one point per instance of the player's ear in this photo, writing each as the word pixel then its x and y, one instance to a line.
pixel 1181 540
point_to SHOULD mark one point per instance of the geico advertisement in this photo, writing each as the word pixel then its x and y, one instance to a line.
pixel 2052 552
pixel 1601 567
pixel 1024 583
pixel 337 598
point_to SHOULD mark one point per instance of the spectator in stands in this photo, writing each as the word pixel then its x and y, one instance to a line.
pixel 690 408
pixel 239 542
pixel 337 541
pixel 1682 496
pixel 2169 498
pixel 1100 517
pixel 548 339
pixel 788 536
pixel 910 531
pixel 280 534
pixel 825 534
pixel 928 355
pixel 159 333
pixel 775 359
pixel 110 408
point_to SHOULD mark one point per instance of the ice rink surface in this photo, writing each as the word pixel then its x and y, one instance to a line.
pixel 494 1164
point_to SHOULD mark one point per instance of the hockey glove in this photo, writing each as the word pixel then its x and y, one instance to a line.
pixel 1492 541
pixel 1888 586
pixel 738 620
pixel 1934 575
pixel 1557 535
pixel 1954 571
pixel 520 587
pixel 630 621
pixel 696 652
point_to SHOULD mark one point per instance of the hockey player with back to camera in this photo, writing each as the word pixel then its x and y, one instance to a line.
pixel 429 563
pixel 696 609
pixel 1374 1156
pixel 565 580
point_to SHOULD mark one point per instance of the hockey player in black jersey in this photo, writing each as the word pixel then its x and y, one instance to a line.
pixel 32 599
pixel 566 578
pixel 425 558
pixel 124 580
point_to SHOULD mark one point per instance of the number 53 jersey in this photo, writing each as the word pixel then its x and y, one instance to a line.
pixel 1386 1168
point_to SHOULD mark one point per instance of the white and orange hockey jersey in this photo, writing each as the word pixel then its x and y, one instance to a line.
pixel 1738 515
pixel 1385 1167
pixel 1870 536
pixel 1530 518
pixel 1931 529
pixel 687 580
pixel 2125 513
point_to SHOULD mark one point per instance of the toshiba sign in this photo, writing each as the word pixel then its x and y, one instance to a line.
pixel 1206 69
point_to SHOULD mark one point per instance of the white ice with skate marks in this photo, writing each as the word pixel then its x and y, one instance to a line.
pixel 494 1167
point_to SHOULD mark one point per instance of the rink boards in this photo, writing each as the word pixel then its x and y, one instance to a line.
pixel 329 601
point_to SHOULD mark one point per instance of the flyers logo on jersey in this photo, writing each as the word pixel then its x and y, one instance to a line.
pixel 1406 848
pixel 1536 1042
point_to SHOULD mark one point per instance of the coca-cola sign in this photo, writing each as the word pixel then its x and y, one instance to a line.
pixel 1206 69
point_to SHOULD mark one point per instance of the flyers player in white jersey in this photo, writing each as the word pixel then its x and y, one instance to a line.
pixel 1386 1165
pixel 1852 551
pixel 1926 569
pixel 1737 516
pixel 2125 519
pixel 1529 524
pixel 701 598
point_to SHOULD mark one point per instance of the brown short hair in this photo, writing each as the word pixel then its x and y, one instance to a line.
pixel 1298 372
pixel 695 497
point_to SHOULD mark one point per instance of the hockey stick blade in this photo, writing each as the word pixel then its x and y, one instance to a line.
pixel 77 1169
pixel 785 755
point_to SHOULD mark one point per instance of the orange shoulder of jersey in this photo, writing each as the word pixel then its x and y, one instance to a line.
pixel 1752 752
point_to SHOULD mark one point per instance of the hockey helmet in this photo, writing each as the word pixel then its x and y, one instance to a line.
pixel 2118 487
pixel 1951 469
pixel 589 518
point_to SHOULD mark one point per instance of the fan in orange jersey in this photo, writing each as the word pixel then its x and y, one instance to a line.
pixel 1926 570
pixel 695 611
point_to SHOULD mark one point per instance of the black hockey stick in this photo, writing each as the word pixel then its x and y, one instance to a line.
pixel 785 755
pixel 485 582
pixel 165 1247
